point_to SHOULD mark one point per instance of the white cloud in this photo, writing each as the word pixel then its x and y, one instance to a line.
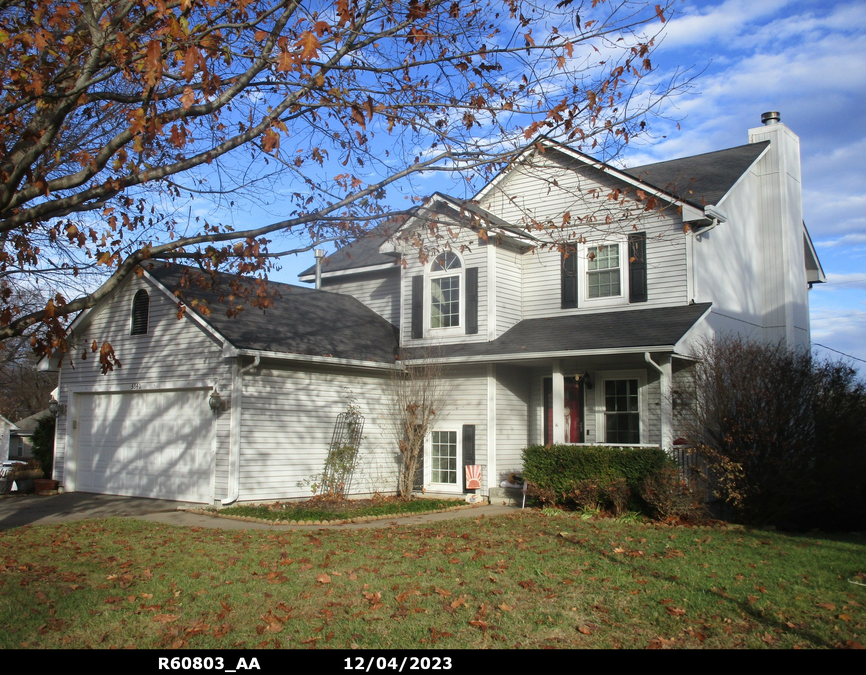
pixel 721 22
pixel 847 240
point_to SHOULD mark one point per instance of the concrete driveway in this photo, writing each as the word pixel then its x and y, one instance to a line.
pixel 36 510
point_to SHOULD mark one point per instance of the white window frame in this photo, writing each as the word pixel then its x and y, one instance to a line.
pixel 643 407
pixel 583 274
pixel 428 462
pixel 429 276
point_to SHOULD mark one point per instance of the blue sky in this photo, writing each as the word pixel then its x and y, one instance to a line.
pixel 806 59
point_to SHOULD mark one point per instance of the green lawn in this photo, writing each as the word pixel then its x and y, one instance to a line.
pixel 520 581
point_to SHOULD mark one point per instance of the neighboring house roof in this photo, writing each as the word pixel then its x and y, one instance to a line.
pixel 28 425
pixel 656 327
pixel 301 321
pixel 701 179
pixel 363 252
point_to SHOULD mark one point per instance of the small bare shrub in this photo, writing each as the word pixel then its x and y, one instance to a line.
pixel 668 495
pixel 617 494
pixel 585 493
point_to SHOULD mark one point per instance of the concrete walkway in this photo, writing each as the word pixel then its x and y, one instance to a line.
pixel 34 510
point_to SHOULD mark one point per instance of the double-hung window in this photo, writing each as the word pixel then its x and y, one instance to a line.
pixel 602 268
pixel 603 271
pixel 621 411
pixel 621 407
pixel 445 274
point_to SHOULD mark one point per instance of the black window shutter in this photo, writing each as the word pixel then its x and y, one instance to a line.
pixel 569 277
pixel 468 450
pixel 140 311
pixel 637 285
pixel 418 306
pixel 472 301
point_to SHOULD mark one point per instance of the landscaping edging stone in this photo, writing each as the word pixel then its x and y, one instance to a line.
pixel 338 521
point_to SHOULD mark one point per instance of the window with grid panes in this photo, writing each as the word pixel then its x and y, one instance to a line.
pixel 445 275
pixel 443 457
pixel 621 411
pixel 603 272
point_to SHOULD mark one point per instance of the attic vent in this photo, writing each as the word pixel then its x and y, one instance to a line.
pixel 140 311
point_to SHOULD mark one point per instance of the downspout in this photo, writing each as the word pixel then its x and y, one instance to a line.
pixel 235 440
pixel 666 419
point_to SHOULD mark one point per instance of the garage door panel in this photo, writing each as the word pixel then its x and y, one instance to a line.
pixel 147 444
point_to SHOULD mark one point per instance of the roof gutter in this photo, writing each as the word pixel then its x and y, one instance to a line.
pixel 234 478
pixel 304 358
pixel 515 356
pixel 715 216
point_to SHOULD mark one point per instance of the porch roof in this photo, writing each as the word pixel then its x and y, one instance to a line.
pixel 632 329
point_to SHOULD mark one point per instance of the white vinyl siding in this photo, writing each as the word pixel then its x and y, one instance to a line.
pixel 174 354
pixel 379 290
pixel 288 421
pixel 509 279
pixel 512 412
pixel 466 404
pixel 553 186
pixel 472 254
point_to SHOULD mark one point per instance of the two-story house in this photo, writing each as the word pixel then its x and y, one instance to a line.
pixel 564 301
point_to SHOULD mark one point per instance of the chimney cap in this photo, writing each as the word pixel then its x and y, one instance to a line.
pixel 772 117
pixel 320 253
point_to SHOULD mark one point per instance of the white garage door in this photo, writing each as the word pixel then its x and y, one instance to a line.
pixel 146 444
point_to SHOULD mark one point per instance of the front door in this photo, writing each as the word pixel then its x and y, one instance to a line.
pixel 573 411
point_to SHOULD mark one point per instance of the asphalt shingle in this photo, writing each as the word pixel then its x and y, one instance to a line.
pixel 701 179
pixel 656 327
pixel 301 321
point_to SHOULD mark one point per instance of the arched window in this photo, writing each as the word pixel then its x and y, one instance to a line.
pixel 140 311
pixel 445 273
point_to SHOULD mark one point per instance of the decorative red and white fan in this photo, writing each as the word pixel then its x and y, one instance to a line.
pixel 473 476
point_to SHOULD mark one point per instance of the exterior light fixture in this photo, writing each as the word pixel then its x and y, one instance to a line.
pixel 54 407
pixel 587 380
pixel 215 401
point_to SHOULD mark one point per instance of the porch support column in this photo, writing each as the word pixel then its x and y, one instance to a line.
pixel 665 399
pixel 558 403
pixel 667 403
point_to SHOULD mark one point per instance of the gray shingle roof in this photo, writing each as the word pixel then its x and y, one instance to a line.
pixel 701 179
pixel 301 321
pixel 363 252
pixel 656 327
pixel 28 425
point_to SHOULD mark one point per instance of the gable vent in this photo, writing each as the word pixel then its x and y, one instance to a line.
pixel 140 311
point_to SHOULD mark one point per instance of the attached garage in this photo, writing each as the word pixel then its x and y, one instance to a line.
pixel 146 444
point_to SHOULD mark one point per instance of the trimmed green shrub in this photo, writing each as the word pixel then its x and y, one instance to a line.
pixel 577 475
